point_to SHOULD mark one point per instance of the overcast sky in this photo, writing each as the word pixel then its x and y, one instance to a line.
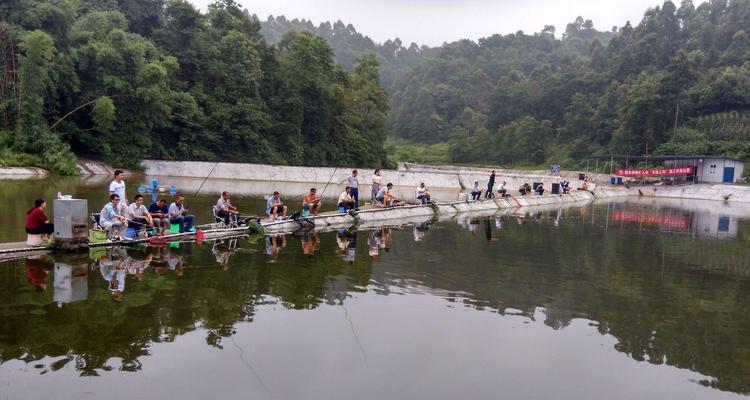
pixel 433 22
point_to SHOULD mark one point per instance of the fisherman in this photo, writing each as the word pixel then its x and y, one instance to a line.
pixel 423 194
pixel 540 189
pixel 346 200
pixel 224 208
pixel 502 190
pixel 377 182
pixel 525 189
pixel 138 215
pixel 490 184
pixel 37 222
pixel 311 201
pixel 160 215
pixel 380 196
pixel 584 185
pixel 178 214
pixel 476 191
pixel 112 219
pixel 274 205
pixel 352 183
pixel 118 185
pixel 390 199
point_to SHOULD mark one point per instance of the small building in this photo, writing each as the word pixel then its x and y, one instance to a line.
pixel 705 169
pixel 719 170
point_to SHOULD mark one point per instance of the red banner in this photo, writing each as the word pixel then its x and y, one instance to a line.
pixel 655 172
pixel 667 221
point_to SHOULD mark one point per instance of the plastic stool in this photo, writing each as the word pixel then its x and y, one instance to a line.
pixel 174 228
pixel 33 240
pixel 342 210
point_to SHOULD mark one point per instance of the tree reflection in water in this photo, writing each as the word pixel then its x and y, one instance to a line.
pixel 668 294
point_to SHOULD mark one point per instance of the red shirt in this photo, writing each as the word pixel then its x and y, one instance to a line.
pixel 35 218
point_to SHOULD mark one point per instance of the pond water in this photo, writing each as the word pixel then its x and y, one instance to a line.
pixel 616 300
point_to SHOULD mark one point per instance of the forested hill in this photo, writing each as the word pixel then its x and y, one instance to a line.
pixel 395 58
pixel 123 80
pixel 677 82
pixel 127 79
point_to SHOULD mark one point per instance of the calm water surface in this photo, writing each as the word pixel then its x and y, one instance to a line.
pixel 625 300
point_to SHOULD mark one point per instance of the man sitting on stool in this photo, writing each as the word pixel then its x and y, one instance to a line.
pixel 138 215
pixel 223 208
pixel 311 202
pixel 345 199
pixel 112 220
pixel 178 214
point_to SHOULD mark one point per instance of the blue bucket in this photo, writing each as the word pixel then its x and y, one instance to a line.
pixel 342 210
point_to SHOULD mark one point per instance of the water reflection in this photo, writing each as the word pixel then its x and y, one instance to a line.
pixel 629 270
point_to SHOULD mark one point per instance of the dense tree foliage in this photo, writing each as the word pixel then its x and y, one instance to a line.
pixel 395 58
pixel 527 99
pixel 124 80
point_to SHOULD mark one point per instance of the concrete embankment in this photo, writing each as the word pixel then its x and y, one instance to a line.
pixel 407 175
pixel 425 213
pixel 23 173
pixel 701 191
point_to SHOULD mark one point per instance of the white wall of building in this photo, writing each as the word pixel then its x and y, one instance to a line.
pixel 711 170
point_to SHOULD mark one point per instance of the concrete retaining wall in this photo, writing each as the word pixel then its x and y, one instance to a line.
pixel 23 173
pixel 407 175
pixel 262 172
pixel 716 192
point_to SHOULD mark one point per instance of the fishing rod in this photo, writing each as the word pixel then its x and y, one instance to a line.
pixel 202 183
pixel 329 181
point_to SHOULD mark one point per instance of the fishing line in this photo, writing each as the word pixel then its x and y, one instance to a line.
pixel 202 183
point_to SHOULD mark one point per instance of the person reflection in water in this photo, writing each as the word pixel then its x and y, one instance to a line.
pixel 373 244
pixel 222 251
pixel 347 245
pixel 136 265
pixel 174 263
pixel 274 244
pixel 385 234
pixel 36 272
pixel 310 243
pixel 112 268
pixel 419 232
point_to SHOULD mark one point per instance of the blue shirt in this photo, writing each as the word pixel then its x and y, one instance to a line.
pixel 154 208
pixel 270 203
pixel 109 213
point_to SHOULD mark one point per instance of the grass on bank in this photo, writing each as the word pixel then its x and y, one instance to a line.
pixel 10 158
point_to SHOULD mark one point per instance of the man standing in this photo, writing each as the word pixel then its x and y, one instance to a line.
pixel 353 183
pixel 178 214
pixel 138 215
pixel 490 184
pixel 274 206
pixel 224 208
pixel 118 185
pixel 160 215
pixel 311 201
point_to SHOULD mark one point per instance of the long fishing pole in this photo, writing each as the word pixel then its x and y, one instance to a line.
pixel 202 183
pixel 329 181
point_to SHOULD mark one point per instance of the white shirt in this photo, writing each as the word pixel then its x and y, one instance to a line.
pixel 377 179
pixel 421 190
pixel 118 188
pixel 222 205
pixel 137 212
pixel 345 197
